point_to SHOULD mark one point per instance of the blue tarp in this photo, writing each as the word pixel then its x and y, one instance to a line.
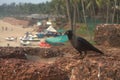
pixel 58 39
pixel 40 35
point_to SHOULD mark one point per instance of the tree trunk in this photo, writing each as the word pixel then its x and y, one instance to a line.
pixel 107 17
pixel 78 13
pixel 69 13
pixel 94 13
pixel 113 16
pixel 84 15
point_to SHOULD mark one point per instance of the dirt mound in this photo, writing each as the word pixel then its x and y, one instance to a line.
pixel 92 67
pixel 15 66
pixel 108 35
pixel 15 21
pixel 19 52
pixel 44 52
pixel 10 52
pixel 12 69
pixel 96 68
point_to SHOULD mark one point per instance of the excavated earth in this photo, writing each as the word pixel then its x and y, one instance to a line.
pixel 58 63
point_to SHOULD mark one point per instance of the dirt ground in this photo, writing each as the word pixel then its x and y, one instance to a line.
pixel 58 63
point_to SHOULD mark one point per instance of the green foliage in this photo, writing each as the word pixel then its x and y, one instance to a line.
pixel 93 8
pixel 92 42
pixel 25 8
pixel 83 30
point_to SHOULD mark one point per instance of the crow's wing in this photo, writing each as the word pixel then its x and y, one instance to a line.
pixel 84 44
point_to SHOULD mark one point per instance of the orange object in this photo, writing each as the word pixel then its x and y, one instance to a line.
pixel 44 45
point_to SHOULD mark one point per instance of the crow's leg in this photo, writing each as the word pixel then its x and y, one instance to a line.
pixel 83 54
pixel 79 55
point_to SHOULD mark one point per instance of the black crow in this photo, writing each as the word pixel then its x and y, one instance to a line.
pixel 80 44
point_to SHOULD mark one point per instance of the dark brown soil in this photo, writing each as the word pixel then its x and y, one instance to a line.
pixel 58 63
pixel 108 35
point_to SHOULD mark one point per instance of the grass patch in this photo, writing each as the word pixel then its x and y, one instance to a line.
pixel 92 42
pixel 83 31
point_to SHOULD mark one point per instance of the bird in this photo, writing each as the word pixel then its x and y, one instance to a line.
pixel 81 44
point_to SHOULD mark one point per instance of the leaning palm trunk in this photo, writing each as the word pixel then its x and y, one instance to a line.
pixel 74 22
pixel 71 10
pixel 107 18
pixel 83 12
pixel 69 13
pixel 78 13
pixel 90 38
pixel 94 13
pixel 113 17
pixel 118 12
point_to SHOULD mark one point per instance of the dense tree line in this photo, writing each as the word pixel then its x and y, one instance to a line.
pixel 25 8
pixel 106 10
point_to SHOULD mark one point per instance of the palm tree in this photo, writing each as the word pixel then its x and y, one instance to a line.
pixel 113 16
pixel 71 11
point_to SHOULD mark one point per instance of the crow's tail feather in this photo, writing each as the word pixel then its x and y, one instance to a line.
pixel 97 50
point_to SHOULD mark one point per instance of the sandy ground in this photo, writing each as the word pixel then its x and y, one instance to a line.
pixel 15 31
